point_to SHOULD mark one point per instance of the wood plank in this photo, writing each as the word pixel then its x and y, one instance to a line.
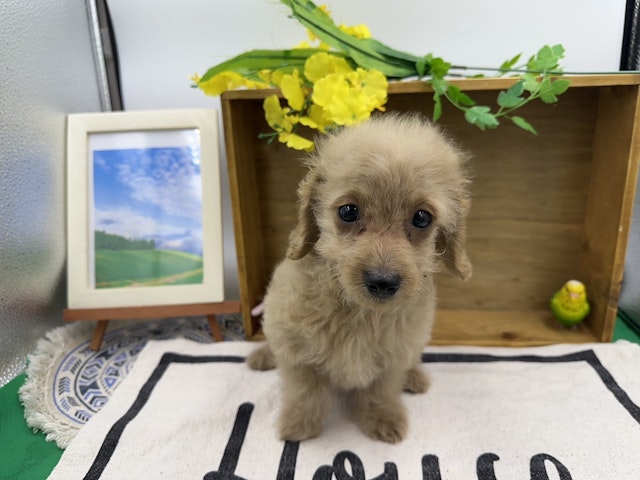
pixel 611 194
pixel 516 328
pixel 156 311
pixel 279 180
pixel 502 83
pixel 105 315
pixel 467 84
pixel 241 141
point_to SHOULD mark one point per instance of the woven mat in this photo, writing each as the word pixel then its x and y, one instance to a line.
pixel 68 383
pixel 190 410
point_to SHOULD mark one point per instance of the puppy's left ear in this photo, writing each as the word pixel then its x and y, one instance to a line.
pixel 453 245
pixel 306 232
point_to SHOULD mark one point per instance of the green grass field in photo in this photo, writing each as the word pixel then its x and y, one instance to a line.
pixel 138 268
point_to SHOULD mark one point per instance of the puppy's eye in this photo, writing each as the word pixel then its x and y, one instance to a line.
pixel 349 213
pixel 421 219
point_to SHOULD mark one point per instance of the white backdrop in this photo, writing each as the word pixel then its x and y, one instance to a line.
pixel 162 42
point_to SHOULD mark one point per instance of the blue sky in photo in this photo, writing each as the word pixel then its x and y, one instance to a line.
pixel 150 193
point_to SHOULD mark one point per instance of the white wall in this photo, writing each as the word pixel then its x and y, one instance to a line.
pixel 47 71
pixel 162 42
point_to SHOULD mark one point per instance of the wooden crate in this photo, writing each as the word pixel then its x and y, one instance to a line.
pixel 546 208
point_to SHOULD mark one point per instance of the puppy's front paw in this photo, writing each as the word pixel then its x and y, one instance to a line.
pixel 416 381
pixel 380 415
pixel 296 428
pixel 261 359
pixel 388 426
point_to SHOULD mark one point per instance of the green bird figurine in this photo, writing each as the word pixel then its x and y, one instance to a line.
pixel 569 304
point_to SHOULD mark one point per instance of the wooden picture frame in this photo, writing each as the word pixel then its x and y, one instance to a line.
pixel 144 215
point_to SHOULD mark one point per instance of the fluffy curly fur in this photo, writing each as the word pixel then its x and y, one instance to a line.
pixel 351 307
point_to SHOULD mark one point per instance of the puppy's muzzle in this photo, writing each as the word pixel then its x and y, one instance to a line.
pixel 381 283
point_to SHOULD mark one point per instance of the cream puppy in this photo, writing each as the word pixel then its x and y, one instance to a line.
pixel 351 308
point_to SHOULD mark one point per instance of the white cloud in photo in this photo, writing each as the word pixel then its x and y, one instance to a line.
pixel 100 162
pixel 170 182
pixel 127 223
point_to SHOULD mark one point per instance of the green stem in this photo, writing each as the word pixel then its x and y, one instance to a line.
pixel 538 72
pixel 504 112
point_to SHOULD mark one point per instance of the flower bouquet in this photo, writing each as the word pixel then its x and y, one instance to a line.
pixel 341 76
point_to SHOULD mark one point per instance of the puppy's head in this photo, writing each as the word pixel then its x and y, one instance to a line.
pixel 383 207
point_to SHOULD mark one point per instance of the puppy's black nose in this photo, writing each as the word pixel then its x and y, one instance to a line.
pixel 382 284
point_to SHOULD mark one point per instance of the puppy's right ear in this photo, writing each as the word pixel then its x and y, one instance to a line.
pixel 306 232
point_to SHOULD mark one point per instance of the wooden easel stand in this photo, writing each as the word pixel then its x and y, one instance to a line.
pixel 104 315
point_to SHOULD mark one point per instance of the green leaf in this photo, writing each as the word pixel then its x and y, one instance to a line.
pixel 439 68
pixel 400 61
pixel 513 96
pixel 421 67
pixel 547 58
pixel 250 63
pixel 550 89
pixel 508 101
pixel 523 124
pixel 437 107
pixel 509 64
pixel 560 85
pixel 546 91
pixel 517 88
pixel 558 51
pixel 367 53
pixel 481 117
pixel 530 82
pixel 440 85
pixel 541 60
pixel 458 97
pixel 387 51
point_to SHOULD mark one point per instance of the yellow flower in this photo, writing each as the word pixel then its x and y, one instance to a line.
pixel 282 122
pixel 322 64
pixel 358 31
pixel 276 116
pixel 373 85
pixel 224 82
pixel 271 78
pixel 221 83
pixel 340 102
pixel 265 75
pixel 254 85
pixel 317 119
pixel 328 88
pixel 291 87
pixel 348 109
pixel 350 98
pixel 296 141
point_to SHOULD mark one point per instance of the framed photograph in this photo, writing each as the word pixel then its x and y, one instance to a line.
pixel 144 219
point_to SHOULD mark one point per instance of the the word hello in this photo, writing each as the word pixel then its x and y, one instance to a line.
pixel 348 466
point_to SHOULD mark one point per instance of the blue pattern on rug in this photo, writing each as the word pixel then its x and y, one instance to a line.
pixel 85 379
